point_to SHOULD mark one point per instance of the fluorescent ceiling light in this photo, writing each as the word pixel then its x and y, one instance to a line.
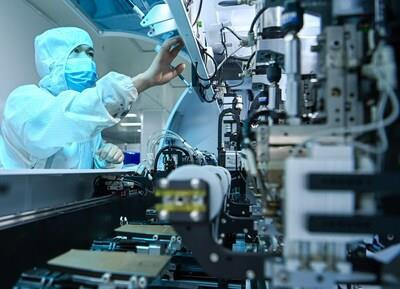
pixel 130 124
pixel 131 115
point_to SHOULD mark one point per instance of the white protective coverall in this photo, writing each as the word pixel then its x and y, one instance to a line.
pixel 49 126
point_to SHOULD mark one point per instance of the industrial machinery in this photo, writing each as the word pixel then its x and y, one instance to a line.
pixel 278 167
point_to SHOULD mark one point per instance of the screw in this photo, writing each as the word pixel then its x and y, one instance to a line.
pixel 164 183
pixel 250 274
pixel 195 216
pixel 106 277
pixel 142 282
pixel 163 215
pixel 195 183
pixel 214 258
pixel 133 281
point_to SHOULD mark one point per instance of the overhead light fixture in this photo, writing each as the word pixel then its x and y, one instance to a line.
pixel 131 115
pixel 139 130
pixel 130 124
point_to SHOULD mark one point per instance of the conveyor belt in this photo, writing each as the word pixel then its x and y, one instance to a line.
pixel 163 230
pixel 126 263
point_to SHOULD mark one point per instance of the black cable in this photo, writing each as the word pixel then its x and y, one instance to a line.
pixel 250 59
pixel 203 96
pixel 255 115
pixel 188 3
pixel 210 78
pixel 203 50
pixel 232 31
pixel 258 15
pixel 198 13
pixel 166 148
pixel 228 3
pixel 223 42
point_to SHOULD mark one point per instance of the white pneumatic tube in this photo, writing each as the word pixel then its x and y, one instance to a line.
pixel 293 73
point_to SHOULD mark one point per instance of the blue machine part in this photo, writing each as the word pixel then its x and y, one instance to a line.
pixel 115 15
pixel 131 158
pixel 195 121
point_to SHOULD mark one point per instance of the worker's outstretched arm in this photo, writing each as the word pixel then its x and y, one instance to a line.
pixel 41 124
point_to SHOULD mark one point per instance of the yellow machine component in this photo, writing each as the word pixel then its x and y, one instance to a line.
pixel 182 201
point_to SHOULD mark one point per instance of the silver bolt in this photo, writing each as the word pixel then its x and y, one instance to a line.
pixel 223 221
pixel 163 215
pixel 142 282
pixel 195 216
pixel 390 237
pixel 106 277
pixel 250 274
pixel 155 237
pixel 195 183
pixel 214 258
pixel 164 183
pixel 133 282
pixel 245 230
pixel 243 213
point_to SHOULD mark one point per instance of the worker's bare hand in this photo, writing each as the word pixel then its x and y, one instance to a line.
pixel 160 71
pixel 111 154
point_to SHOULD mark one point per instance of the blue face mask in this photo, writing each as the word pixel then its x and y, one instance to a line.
pixel 80 73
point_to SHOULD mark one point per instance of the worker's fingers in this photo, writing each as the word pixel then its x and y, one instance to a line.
pixel 180 68
pixel 176 49
pixel 173 72
pixel 167 45
pixel 103 151
pixel 170 75
pixel 106 152
pixel 115 156
pixel 110 157
pixel 119 157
